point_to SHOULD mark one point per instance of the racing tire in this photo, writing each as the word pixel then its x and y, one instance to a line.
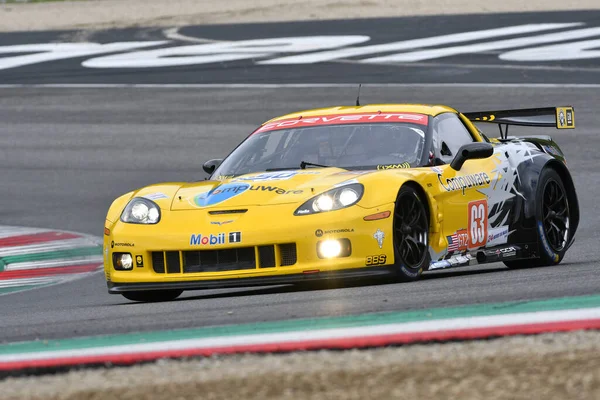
pixel 153 296
pixel 552 222
pixel 410 234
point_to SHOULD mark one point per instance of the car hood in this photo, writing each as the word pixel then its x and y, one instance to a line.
pixel 259 189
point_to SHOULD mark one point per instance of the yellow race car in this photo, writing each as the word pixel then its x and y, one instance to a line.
pixel 350 192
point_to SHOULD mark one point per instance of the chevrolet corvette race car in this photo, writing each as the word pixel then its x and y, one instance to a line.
pixel 348 192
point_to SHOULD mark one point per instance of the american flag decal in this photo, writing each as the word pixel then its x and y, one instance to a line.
pixel 452 242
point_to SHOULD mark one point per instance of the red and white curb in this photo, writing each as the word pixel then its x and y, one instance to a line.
pixel 99 350
pixel 34 257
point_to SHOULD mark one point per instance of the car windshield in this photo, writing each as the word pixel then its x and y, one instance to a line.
pixel 350 146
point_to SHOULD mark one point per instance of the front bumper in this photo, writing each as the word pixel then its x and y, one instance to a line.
pixel 179 232
pixel 345 275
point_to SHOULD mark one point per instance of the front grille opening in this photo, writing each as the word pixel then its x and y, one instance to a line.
pixel 220 212
pixel 288 254
pixel 266 256
pixel 173 264
pixel 219 260
pixel 158 262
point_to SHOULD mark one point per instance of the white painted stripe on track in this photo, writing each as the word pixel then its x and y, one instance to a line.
pixel 438 325
pixel 28 281
pixel 332 55
pixel 429 54
pixel 44 247
pixel 9 231
pixel 295 85
pixel 54 263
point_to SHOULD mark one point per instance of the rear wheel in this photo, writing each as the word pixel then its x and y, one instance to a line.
pixel 411 234
pixel 153 296
pixel 552 223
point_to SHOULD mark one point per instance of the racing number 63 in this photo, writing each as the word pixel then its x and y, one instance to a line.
pixel 478 223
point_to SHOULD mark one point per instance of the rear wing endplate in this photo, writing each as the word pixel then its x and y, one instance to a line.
pixel 557 117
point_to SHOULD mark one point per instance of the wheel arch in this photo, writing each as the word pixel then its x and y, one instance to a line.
pixel 529 176
pixel 422 193
pixel 569 185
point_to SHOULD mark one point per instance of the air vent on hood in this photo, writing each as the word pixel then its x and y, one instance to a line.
pixel 228 212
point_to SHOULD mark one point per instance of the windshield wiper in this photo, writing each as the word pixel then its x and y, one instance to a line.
pixel 304 164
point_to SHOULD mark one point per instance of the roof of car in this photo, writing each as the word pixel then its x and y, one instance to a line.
pixel 426 109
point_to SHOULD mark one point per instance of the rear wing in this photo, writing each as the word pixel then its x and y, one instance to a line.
pixel 557 117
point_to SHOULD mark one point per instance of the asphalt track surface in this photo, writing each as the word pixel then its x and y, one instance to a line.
pixel 66 153
pixel 480 67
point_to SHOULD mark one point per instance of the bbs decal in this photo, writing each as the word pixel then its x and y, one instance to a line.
pixel 376 260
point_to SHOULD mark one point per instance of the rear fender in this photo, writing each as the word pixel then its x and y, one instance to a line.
pixel 529 180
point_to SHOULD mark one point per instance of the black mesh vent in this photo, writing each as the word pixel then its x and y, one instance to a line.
pixel 288 254
pixel 266 255
pixel 220 212
pixel 158 262
pixel 219 260
pixel 173 262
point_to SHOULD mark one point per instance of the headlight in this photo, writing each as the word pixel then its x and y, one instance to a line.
pixel 334 199
pixel 141 211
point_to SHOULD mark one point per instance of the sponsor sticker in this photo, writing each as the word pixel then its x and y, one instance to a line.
pixel 155 196
pixel 341 119
pixel 235 237
pixel 458 241
pixel 497 236
pixel 464 182
pixel 478 223
pixel 122 244
pixel 220 194
pixel 215 239
pixel 565 118
pixel 376 260
pixel 275 176
pixel 379 236
pixel 207 240
pixel 320 232
pixel 393 166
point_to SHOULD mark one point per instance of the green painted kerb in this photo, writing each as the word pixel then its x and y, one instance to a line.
pixel 51 255
pixel 512 307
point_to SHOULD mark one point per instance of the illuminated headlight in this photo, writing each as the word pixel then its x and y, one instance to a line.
pixel 332 248
pixel 122 261
pixel 333 199
pixel 141 211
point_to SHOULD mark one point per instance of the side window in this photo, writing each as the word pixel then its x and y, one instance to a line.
pixel 449 134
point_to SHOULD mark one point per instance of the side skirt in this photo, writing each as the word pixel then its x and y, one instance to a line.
pixel 485 256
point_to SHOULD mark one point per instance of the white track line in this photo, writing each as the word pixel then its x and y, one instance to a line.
pixel 56 262
pixel 318 334
pixel 28 281
pixel 44 247
pixel 296 85
pixel 9 231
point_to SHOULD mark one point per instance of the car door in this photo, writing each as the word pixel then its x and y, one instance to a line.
pixel 461 198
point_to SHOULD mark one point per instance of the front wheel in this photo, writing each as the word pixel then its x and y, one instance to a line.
pixel 552 222
pixel 153 296
pixel 411 234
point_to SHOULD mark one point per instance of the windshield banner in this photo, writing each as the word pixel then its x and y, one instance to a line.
pixel 340 119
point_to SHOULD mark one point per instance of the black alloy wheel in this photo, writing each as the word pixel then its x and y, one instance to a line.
pixel 555 209
pixel 552 222
pixel 411 234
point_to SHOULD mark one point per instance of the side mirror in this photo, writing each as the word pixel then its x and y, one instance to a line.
pixel 471 151
pixel 210 166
